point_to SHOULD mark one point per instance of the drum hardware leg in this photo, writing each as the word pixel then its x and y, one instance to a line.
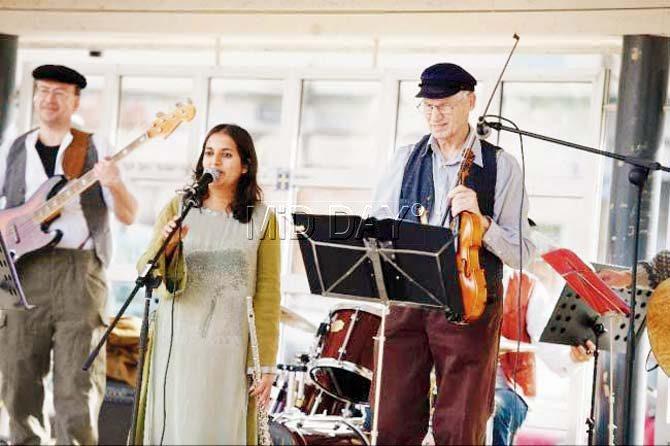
pixel 338 389
pixel 301 387
pixel 381 339
pixel 317 403
pixel 290 390
pixel 350 329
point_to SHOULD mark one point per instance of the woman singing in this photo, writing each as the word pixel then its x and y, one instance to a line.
pixel 196 388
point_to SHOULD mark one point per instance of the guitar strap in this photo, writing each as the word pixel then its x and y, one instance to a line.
pixel 74 157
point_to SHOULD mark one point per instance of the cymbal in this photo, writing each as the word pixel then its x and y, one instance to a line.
pixel 658 324
pixel 294 320
pixel 509 346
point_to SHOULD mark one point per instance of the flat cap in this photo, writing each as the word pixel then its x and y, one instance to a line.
pixel 59 73
pixel 443 80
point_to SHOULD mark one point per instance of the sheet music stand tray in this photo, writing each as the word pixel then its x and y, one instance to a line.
pixel 383 261
pixel 11 292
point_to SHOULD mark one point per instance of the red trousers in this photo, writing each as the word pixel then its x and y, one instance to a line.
pixel 465 358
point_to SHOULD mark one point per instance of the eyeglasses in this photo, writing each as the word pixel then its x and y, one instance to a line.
pixel 58 93
pixel 442 109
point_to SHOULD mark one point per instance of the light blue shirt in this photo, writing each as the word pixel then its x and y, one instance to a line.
pixel 502 237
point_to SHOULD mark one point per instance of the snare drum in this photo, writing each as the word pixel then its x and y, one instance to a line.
pixel 345 359
pixel 316 430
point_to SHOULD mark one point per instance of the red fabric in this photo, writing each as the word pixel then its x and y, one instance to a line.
pixel 649 430
pixel 537 437
pixel 514 316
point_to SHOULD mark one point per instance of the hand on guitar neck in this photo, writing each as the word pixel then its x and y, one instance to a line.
pixel 108 173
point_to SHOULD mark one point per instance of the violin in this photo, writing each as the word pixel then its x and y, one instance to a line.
pixel 471 278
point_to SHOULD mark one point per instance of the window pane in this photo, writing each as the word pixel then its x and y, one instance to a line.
pixel 561 110
pixel 335 127
pixel 411 123
pixel 89 114
pixel 141 99
pixel 255 105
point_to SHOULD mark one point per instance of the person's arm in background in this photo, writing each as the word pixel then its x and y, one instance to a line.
pixel 649 274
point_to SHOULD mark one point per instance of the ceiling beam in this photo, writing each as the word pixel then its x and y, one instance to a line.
pixel 329 6
pixel 609 23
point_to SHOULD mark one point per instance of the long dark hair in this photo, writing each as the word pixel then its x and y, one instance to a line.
pixel 248 193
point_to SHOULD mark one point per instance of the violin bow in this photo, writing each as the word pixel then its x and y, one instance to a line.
pixel 480 122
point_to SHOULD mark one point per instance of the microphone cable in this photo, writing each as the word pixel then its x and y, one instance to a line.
pixel 519 328
pixel 179 259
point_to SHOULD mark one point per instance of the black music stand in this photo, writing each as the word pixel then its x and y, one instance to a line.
pixel 572 320
pixel 11 292
pixel 383 261
pixel 584 314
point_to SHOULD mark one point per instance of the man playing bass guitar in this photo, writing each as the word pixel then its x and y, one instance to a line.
pixel 464 356
pixel 66 280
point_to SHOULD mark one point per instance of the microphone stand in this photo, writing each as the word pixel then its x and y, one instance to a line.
pixel 637 177
pixel 149 282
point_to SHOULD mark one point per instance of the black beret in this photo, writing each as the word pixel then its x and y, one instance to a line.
pixel 59 73
pixel 443 80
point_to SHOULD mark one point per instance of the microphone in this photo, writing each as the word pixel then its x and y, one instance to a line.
pixel 197 190
pixel 483 128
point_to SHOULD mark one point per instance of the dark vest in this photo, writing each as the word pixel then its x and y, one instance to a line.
pixel 92 202
pixel 418 188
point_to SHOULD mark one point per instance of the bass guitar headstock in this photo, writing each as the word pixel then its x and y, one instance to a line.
pixel 165 124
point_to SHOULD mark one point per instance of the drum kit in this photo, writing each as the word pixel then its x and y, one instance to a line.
pixel 322 398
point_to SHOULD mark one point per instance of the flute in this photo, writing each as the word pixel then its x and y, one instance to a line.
pixel 263 420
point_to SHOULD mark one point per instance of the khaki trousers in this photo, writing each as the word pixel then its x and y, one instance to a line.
pixel 68 287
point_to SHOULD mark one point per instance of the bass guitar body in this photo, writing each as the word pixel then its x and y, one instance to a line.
pixel 22 232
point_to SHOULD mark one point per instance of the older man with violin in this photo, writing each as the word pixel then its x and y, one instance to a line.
pixel 431 176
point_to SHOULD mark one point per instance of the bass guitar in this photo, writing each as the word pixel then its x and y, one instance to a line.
pixel 25 228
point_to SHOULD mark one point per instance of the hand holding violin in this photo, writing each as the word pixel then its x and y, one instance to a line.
pixel 464 199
